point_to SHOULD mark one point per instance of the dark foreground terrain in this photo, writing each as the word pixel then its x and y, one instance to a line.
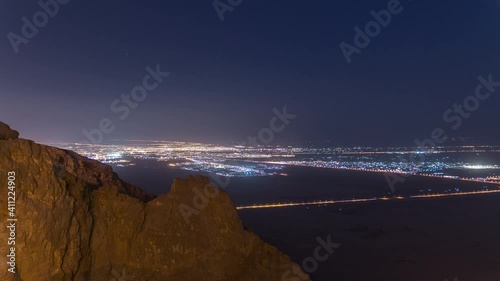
pixel 409 240
pixel 417 240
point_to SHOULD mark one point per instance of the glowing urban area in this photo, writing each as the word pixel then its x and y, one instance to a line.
pixel 461 163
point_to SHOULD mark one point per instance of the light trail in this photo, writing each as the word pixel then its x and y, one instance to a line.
pixel 456 194
pixel 291 204
pixel 328 202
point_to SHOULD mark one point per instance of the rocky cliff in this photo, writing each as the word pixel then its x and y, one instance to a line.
pixel 76 220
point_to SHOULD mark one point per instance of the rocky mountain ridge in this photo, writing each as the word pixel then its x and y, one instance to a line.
pixel 77 220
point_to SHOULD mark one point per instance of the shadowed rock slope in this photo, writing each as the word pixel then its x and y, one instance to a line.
pixel 78 221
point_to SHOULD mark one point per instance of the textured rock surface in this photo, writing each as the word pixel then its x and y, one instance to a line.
pixel 78 221
pixel 6 133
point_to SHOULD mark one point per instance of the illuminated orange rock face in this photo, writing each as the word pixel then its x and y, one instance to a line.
pixel 77 220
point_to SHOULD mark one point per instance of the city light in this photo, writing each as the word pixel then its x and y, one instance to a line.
pixel 245 161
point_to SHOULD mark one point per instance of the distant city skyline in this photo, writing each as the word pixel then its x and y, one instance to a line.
pixel 258 161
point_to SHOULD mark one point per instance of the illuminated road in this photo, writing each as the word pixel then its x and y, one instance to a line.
pixel 328 202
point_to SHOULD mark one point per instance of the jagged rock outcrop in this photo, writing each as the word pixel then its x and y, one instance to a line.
pixel 78 221
pixel 6 133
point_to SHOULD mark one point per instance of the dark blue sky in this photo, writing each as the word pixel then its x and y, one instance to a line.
pixel 226 77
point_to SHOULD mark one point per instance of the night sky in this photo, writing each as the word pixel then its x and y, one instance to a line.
pixel 226 77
